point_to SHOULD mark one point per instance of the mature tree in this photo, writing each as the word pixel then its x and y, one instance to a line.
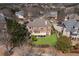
pixel 64 44
pixel 19 33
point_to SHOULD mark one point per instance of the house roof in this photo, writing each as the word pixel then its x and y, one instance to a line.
pixel 51 14
pixel 77 25
pixel 34 11
pixel 39 23
pixel 6 12
pixel 71 25
pixel 20 13
pixel 72 16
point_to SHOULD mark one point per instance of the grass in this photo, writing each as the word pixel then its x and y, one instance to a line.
pixel 49 40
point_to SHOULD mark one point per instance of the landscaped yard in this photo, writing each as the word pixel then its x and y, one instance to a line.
pixel 49 40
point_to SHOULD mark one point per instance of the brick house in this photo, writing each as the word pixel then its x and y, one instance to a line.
pixel 39 27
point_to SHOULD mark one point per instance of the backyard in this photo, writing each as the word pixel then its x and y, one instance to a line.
pixel 49 40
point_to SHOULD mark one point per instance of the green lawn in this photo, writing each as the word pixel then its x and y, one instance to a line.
pixel 49 40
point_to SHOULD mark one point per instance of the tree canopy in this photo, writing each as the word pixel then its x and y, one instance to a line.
pixel 19 33
pixel 63 44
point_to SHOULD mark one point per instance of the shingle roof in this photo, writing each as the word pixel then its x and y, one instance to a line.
pixel 51 14
pixel 71 25
pixel 39 23
pixel 77 25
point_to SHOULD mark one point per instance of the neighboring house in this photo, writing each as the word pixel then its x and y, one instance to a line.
pixel 7 12
pixel 52 14
pixel 39 27
pixel 66 33
pixel 73 16
pixel 20 14
pixel 61 14
pixel 57 27
pixel 3 28
pixel 71 28
pixel 20 17
pixel 32 12
pixel 69 10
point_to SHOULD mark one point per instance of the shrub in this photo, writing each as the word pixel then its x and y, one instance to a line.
pixel 33 38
